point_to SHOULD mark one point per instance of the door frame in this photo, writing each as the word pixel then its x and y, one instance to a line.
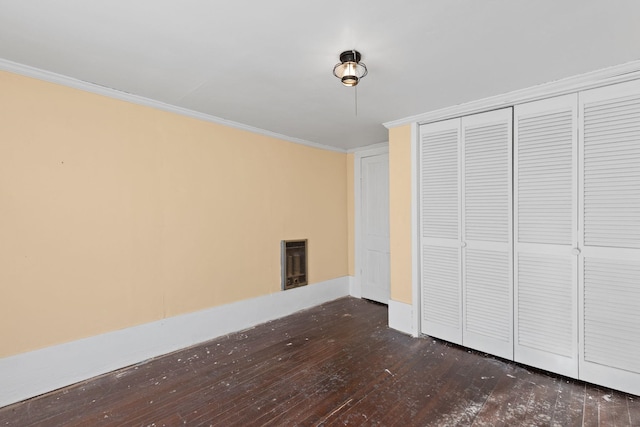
pixel 358 155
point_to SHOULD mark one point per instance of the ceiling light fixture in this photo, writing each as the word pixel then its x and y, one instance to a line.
pixel 350 70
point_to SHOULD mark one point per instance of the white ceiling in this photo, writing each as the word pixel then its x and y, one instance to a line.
pixel 268 64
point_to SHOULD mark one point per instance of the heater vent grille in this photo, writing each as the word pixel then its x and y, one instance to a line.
pixel 294 263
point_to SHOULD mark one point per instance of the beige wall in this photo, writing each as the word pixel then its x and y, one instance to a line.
pixel 351 238
pixel 400 212
pixel 114 214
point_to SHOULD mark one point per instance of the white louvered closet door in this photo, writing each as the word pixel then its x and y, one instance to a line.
pixel 545 235
pixel 610 236
pixel 487 282
pixel 440 230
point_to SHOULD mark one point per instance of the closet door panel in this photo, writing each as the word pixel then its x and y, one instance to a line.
pixel 610 236
pixel 486 232
pixel 440 230
pixel 545 234
pixel 441 308
pixel 488 301
pixel 546 311
pixel 611 312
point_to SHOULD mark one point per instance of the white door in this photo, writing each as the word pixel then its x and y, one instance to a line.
pixel 487 282
pixel 440 244
pixel 609 235
pixel 545 234
pixel 465 220
pixel 374 217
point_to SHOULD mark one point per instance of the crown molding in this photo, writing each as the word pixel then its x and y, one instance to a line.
pixel 604 77
pixel 368 147
pixel 71 82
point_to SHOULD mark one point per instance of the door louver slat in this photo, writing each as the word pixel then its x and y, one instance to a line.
pixel 609 209
pixel 611 332
pixel 488 305
pixel 440 279
pixel 485 175
pixel 543 214
pixel 440 184
pixel 545 286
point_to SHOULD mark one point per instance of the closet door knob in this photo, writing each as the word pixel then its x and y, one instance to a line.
pixel 463 244
pixel 575 251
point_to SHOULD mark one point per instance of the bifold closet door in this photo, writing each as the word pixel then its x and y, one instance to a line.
pixel 440 230
pixel 487 282
pixel 465 206
pixel 545 235
pixel 610 236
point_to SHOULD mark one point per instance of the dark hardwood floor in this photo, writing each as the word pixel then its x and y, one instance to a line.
pixel 336 364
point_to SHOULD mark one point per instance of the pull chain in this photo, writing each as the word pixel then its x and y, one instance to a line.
pixel 356 88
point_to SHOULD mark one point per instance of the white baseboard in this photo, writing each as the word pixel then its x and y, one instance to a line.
pixel 401 317
pixel 355 289
pixel 30 374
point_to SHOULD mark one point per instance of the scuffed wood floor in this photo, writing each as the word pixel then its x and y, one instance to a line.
pixel 336 364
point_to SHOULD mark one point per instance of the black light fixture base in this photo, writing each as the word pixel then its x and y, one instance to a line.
pixel 350 56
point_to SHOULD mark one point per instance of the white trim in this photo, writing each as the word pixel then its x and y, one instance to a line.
pixel 358 155
pixel 60 79
pixel 401 317
pixel 607 76
pixel 357 226
pixel 415 229
pixel 371 150
pixel 30 374
pixel 368 147
pixel 354 287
